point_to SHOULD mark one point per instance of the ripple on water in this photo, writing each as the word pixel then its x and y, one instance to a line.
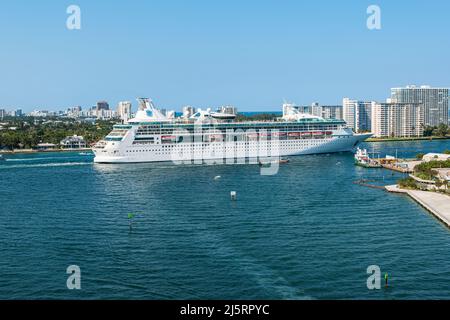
pixel 306 233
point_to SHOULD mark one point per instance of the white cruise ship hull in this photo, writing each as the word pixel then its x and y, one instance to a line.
pixel 228 152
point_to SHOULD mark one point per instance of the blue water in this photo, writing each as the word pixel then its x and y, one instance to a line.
pixel 306 233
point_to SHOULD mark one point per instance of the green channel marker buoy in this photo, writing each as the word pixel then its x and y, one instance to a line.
pixel 386 276
pixel 130 217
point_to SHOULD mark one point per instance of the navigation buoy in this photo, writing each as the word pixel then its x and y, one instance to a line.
pixel 386 276
pixel 130 218
pixel 233 195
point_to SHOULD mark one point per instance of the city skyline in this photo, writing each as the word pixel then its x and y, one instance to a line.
pixel 251 55
pixel 116 104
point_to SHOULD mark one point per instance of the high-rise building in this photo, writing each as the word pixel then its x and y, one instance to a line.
pixel 124 110
pixel 327 112
pixel 2 113
pixel 102 105
pixel 17 113
pixel 107 114
pixel 434 101
pixel 40 113
pixel 397 119
pixel 357 114
pixel 349 112
pixel 364 116
pixel 74 112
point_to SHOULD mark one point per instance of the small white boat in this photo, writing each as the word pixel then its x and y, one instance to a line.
pixel 363 159
pixel 267 163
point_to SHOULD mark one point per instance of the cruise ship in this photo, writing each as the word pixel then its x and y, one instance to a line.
pixel 215 137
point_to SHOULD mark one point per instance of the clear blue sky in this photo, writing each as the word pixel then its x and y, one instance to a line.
pixel 251 54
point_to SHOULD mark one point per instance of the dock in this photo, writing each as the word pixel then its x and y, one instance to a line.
pixel 436 203
pixel 397 168
pixel 404 166
pixel 363 159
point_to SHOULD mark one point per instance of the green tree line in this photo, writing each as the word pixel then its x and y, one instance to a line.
pixel 441 130
pixel 29 134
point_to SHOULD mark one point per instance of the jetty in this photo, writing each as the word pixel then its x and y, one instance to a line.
pixel 366 183
pixel 436 203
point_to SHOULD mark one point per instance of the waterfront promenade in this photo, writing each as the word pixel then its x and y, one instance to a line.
pixel 438 204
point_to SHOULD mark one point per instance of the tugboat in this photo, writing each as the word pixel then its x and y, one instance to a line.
pixel 363 159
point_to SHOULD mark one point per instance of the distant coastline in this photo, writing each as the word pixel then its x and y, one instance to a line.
pixel 32 151
pixel 407 139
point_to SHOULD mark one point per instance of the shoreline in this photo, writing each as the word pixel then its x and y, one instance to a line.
pixel 31 151
pixel 435 203
pixel 406 139
pixel 27 151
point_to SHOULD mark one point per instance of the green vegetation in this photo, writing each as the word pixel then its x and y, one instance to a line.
pixel 419 156
pixel 407 183
pixel 446 152
pixel 441 130
pixel 437 132
pixel 425 170
pixel 27 132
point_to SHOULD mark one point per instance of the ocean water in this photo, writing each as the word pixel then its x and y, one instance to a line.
pixel 307 232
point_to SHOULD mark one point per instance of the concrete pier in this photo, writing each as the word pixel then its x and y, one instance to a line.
pixel 436 203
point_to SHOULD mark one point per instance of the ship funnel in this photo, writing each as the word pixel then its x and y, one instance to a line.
pixel 148 112
pixel 144 103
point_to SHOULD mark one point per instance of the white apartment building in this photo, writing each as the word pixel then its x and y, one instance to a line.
pixel 357 114
pixel 327 112
pixel 40 113
pixel 397 119
pixel 124 110
pixel 103 114
pixel 434 101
